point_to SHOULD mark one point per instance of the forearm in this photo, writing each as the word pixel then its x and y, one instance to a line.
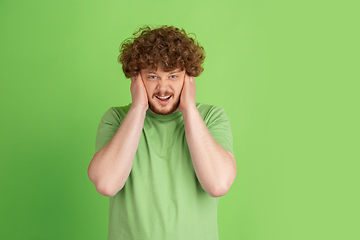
pixel 215 168
pixel 111 166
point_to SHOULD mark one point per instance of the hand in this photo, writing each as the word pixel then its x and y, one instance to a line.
pixel 188 93
pixel 138 93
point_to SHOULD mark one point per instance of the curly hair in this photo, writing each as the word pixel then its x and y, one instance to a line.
pixel 166 47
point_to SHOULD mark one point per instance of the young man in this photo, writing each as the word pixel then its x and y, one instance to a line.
pixel 163 159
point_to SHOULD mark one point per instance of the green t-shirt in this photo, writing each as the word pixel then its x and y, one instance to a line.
pixel 162 198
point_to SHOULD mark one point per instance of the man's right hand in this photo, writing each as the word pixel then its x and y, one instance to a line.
pixel 110 167
pixel 138 93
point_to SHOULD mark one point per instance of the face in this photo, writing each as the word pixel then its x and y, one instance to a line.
pixel 163 89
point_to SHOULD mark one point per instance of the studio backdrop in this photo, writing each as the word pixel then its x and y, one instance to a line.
pixel 282 70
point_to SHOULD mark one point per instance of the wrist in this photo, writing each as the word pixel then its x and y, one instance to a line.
pixel 189 110
pixel 139 109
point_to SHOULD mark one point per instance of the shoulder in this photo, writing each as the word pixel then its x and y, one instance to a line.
pixel 116 113
pixel 210 111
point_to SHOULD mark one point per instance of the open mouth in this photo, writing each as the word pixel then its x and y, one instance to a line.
pixel 163 99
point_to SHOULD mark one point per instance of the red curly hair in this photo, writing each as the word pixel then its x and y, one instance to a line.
pixel 166 47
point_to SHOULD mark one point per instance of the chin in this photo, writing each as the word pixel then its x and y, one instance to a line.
pixel 164 110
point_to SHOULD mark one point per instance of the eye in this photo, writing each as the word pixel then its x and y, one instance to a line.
pixel 152 77
pixel 173 76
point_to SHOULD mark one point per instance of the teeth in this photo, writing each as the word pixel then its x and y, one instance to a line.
pixel 163 97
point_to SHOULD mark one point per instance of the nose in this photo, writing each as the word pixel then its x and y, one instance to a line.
pixel 163 85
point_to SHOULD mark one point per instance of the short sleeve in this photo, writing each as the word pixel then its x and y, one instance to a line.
pixel 108 126
pixel 219 127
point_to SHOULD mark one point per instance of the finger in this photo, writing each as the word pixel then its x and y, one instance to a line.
pixel 183 85
pixel 133 79
pixel 190 79
pixel 187 78
pixel 140 77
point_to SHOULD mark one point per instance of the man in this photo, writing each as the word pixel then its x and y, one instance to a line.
pixel 164 159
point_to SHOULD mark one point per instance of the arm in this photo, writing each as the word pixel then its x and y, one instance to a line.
pixel 214 166
pixel 110 167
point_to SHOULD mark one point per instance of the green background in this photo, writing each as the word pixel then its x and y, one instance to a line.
pixel 286 73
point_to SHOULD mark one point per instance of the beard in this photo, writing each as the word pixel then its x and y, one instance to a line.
pixel 164 110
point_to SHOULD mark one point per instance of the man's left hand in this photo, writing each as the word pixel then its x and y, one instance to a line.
pixel 188 93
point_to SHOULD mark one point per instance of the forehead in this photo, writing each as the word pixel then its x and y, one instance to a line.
pixel 160 71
